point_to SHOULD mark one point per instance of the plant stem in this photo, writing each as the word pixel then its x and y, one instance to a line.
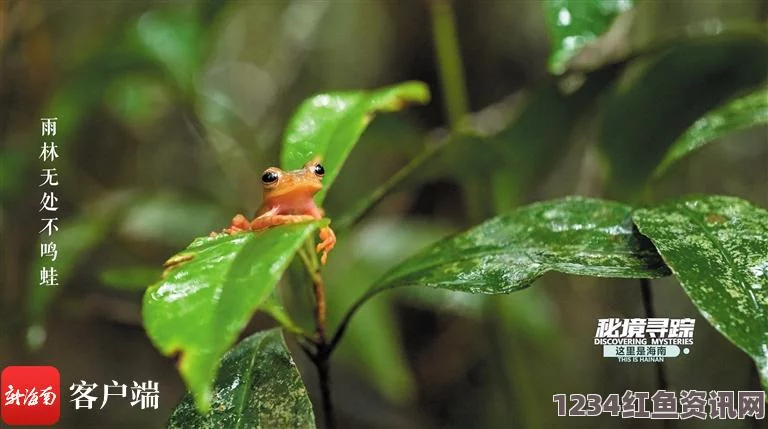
pixel 645 289
pixel 345 321
pixel 449 62
pixel 321 354
pixel 319 358
pixel 363 206
pixel 324 375
pixel 319 289
pixel 454 90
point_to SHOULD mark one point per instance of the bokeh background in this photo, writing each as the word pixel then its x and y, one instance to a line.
pixel 169 111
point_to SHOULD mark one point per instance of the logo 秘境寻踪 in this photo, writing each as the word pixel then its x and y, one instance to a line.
pixel 30 395
pixel 644 339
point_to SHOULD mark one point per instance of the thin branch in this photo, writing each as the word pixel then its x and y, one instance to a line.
pixel 449 62
pixel 312 265
pixel 308 351
pixel 345 321
pixel 319 289
pixel 319 358
pixel 362 207
pixel 325 392
pixel 645 289
pixel 320 355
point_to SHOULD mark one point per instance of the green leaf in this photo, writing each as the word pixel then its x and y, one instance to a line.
pixel 507 253
pixel 744 112
pixel 203 302
pixel 660 98
pixel 717 247
pixel 258 386
pixel 329 125
pixel 575 23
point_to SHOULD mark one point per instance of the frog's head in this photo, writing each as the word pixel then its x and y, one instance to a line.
pixel 304 182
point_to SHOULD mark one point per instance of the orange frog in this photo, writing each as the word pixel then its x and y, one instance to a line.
pixel 288 198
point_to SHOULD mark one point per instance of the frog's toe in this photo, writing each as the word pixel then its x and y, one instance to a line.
pixel 239 223
pixel 327 244
pixel 324 248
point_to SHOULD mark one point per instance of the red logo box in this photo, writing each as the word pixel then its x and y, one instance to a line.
pixel 30 395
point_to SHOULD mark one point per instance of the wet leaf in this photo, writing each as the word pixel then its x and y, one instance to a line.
pixel 744 112
pixel 329 125
pixel 670 92
pixel 717 247
pixel 208 296
pixel 507 253
pixel 258 386
pixel 575 23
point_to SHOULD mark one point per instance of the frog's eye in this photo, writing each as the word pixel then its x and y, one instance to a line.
pixel 269 177
pixel 318 170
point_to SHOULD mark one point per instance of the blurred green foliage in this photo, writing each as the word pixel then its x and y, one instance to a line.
pixel 710 71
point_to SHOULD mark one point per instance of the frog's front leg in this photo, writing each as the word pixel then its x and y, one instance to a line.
pixel 239 223
pixel 264 222
pixel 328 241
